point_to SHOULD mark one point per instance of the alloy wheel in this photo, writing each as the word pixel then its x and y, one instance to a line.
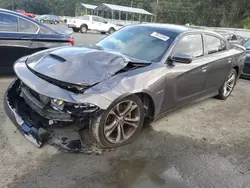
pixel 122 121
pixel 229 84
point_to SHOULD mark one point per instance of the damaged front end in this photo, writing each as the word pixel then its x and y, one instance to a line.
pixel 42 119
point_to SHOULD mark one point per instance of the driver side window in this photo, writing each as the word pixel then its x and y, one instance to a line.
pixel 190 45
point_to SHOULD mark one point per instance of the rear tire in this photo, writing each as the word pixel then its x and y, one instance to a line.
pixel 56 22
pixel 228 86
pixel 83 29
pixel 114 128
pixel 42 21
pixel 103 33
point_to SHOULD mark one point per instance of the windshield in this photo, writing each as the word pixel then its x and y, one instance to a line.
pixel 140 42
pixel 247 44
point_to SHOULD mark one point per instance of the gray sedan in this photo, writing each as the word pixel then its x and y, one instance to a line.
pixel 115 87
pixel 246 70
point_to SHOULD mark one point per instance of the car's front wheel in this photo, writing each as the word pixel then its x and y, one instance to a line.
pixel 76 30
pixel 228 86
pixel 111 30
pixel 120 124
pixel 83 29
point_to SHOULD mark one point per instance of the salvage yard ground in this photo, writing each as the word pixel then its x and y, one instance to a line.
pixel 203 145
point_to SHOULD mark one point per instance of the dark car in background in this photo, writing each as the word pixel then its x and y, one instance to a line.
pixel 48 18
pixel 232 38
pixel 246 70
pixel 21 36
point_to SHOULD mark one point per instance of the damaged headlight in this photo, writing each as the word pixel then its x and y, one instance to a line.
pixel 57 104
pixel 84 108
pixel 76 109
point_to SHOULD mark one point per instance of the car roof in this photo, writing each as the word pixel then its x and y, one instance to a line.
pixel 170 27
pixel 27 18
pixel 179 29
pixel 15 13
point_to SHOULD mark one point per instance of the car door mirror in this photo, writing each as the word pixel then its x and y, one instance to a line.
pixel 182 58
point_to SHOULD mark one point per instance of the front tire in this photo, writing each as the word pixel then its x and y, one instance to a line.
pixel 83 29
pixel 228 86
pixel 111 30
pixel 120 124
pixel 76 30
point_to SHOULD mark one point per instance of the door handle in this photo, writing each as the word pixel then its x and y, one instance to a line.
pixel 25 38
pixel 204 69
pixel 230 60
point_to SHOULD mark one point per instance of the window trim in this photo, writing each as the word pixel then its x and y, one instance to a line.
pixel 18 25
pixel 206 46
pixel 187 34
pixel 38 28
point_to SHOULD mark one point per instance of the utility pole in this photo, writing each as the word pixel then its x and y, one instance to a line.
pixel 132 1
pixel 12 4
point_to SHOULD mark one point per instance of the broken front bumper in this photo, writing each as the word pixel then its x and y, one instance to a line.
pixel 29 124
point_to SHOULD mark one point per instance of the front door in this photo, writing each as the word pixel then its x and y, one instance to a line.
pixel 187 81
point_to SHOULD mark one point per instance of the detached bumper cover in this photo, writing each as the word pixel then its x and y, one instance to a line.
pixel 65 138
pixel 31 133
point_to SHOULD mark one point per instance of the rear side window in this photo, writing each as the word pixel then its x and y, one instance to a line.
pixel 191 45
pixel 214 44
pixel 27 26
pixel 8 23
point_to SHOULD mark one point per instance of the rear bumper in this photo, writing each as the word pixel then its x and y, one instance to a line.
pixel 71 26
pixel 66 138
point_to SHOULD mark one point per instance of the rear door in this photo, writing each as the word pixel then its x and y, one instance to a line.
pixel 220 58
pixel 16 36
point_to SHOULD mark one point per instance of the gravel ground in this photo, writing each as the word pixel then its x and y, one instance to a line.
pixel 204 145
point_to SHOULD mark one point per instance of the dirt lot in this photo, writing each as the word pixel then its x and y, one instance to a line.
pixel 204 145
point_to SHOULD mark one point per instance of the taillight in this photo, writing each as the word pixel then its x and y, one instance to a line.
pixel 72 42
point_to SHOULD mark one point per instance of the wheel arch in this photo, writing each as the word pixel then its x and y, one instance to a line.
pixel 147 101
pixel 149 105
pixel 84 25
pixel 237 69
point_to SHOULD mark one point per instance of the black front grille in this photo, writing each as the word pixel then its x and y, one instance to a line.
pixel 36 95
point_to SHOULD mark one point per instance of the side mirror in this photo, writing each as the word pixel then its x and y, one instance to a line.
pixel 182 58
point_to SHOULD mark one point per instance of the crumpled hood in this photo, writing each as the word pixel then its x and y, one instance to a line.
pixel 77 65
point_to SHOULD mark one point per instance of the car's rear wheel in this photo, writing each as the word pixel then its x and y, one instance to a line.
pixel 83 29
pixel 120 124
pixel 228 86
pixel 42 21
pixel 56 22
pixel 103 33
pixel 76 30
